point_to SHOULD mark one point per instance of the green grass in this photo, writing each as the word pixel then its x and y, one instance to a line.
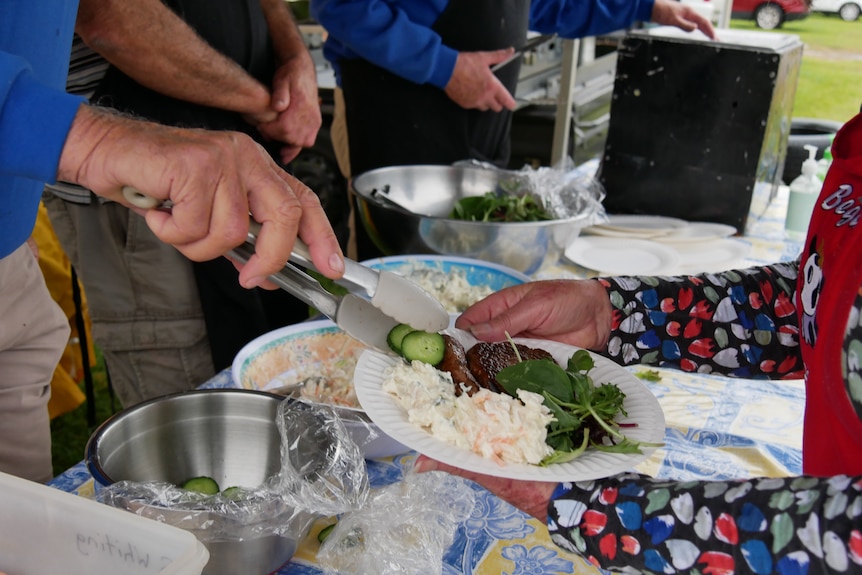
pixel 830 90
pixel 830 78
pixel 818 31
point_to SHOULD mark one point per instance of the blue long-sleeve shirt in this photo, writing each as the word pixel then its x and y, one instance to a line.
pixel 35 111
pixel 396 34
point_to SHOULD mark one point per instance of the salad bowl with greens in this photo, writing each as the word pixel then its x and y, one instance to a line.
pixel 509 218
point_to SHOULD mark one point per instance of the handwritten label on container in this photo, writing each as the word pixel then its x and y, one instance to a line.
pixel 124 552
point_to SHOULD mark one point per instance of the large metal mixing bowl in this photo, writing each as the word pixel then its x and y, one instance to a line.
pixel 229 435
pixel 414 219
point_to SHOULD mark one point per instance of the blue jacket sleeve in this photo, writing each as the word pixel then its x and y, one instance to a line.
pixel 397 36
pixel 578 19
pixel 385 35
pixel 34 122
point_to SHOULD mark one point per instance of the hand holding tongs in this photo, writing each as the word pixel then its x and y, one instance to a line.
pixel 394 299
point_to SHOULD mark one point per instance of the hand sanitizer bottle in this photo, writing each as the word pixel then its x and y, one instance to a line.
pixel 803 195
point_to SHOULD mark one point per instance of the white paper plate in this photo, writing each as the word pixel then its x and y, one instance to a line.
pixel 696 232
pixel 641 405
pixel 623 256
pixel 643 224
pixel 712 256
pixel 598 230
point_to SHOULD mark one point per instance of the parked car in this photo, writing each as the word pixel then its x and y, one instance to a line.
pixel 769 14
pixel 849 10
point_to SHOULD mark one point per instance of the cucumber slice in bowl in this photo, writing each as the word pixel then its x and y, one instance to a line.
pixel 203 484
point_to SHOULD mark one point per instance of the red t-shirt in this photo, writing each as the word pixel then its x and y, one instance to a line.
pixel 828 296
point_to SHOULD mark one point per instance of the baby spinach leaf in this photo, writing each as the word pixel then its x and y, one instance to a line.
pixel 538 376
pixel 581 361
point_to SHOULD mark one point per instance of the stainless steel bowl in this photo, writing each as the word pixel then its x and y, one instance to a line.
pixel 414 218
pixel 227 434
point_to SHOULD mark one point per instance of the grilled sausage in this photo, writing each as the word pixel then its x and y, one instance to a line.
pixel 485 360
pixel 455 362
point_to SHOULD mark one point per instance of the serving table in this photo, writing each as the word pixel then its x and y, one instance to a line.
pixel 717 428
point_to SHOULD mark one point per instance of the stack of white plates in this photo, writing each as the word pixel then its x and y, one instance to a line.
pixel 657 245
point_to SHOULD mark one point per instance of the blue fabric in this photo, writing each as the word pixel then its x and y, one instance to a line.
pixel 396 34
pixel 35 111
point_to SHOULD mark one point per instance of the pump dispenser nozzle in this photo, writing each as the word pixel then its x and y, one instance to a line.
pixel 803 194
pixel 809 166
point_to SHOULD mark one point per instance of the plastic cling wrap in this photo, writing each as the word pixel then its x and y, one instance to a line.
pixel 403 528
pixel 322 473
pixel 563 190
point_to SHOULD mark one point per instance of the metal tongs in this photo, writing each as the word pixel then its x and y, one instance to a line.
pixel 391 298
pixel 528 45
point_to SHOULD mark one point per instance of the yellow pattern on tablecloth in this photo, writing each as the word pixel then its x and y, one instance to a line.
pixel 757 462
pixel 495 562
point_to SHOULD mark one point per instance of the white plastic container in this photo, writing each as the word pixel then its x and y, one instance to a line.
pixel 804 190
pixel 45 531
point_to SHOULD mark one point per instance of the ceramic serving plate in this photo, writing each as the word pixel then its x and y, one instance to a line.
pixel 455 281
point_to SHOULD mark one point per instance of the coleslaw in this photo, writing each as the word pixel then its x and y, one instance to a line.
pixel 496 426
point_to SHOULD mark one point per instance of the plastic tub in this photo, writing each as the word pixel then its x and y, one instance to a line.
pixel 47 531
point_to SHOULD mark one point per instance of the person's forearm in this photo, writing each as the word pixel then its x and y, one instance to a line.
pixel 287 41
pixel 152 45
pixel 759 525
pixel 738 323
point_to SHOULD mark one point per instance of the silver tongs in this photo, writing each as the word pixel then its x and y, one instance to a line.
pixel 528 45
pixel 391 298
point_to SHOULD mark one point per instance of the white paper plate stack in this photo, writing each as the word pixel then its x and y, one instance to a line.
pixel 657 245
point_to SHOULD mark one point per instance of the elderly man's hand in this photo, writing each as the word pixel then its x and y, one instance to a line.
pixel 474 86
pixel 295 101
pixel 213 180
pixel 674 13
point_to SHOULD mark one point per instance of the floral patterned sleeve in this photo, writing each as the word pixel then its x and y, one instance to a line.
pixel 790 525
pixel 739 323
pixel 637 524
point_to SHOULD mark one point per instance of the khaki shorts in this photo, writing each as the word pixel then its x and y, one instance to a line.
pixel 143 299
pixel 34 332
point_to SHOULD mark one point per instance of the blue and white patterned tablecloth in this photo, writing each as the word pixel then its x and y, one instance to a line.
pixel 717 428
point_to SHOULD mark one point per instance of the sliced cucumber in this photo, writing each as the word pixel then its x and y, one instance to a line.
pixel 396 336
pixel 425 346
pixel 203 484
pixel 324 533
pixel 233 492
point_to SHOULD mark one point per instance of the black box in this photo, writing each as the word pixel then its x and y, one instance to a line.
pixel 698 128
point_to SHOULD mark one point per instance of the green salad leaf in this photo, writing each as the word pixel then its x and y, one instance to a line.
pixel 584 413
pixel 649 375
pixel 500 208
